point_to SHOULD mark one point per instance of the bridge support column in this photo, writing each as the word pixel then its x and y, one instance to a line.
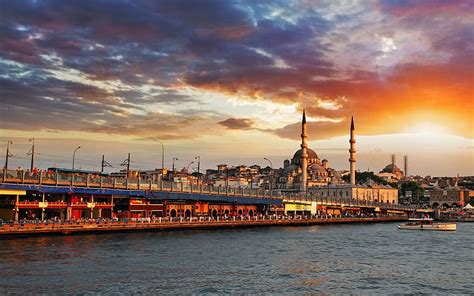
pixel 68 213
pixel 17 210
pixel 92 208
pixel 42 209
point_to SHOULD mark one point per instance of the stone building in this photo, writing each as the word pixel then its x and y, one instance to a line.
pixel 370 191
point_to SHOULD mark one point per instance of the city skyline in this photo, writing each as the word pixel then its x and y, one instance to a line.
pixel 228 81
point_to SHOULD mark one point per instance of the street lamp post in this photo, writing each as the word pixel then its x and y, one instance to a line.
pixel 271 174
pixel 187 167
pixel 32 154
pixel 199 168
pixel 174 158
pixel 74 155
pixel 172 174
pixel 199 162
pixel 162 155
pixel 8 154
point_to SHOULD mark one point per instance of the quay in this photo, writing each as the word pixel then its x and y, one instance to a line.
pixel 66 228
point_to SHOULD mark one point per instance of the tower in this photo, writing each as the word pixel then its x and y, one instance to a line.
pixel 393 163
pixel 352 151
pixel 304 154
pixel 406 166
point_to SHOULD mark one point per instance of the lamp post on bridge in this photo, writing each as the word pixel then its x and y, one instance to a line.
pixel 199 168
pixel 32 154
pixel 74 155
pixel 271 174
pixel 187 167
pixel 174 158
pixel 172 174
pixel 199 162
pixel 162 156
pixel 7 156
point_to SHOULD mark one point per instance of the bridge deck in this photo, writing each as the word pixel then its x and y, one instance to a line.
pixel 178 191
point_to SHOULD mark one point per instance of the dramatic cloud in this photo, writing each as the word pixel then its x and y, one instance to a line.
pixel 149 67
pixel 237 123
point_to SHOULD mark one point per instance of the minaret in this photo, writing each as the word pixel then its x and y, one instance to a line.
pixel 406 166
pixel 304 154
pixel 352 151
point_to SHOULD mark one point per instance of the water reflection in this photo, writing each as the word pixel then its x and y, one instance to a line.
pixel 361 259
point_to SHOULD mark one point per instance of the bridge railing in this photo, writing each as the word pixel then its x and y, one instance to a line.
pixel 100 181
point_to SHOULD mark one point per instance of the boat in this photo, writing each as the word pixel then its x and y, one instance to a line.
pixel 427 224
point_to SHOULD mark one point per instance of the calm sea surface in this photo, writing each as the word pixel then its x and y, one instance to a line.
pixel 331 259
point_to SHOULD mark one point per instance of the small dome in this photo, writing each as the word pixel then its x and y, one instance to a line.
pixel 317 168
pixel 290 168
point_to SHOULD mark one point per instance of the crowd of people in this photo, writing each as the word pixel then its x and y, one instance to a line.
pixel 154 219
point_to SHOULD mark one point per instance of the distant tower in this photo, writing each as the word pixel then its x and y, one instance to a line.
pixel 304 155
pixel 405 158
pixel 352 151
pixel 393 163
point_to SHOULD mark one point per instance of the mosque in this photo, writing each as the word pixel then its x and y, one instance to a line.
pixel 307 173
pixel 318 172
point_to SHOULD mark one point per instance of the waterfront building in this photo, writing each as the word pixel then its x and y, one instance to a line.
pixel 369 191
pixel 449 197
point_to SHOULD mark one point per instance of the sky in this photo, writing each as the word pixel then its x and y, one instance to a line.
pixel 228 80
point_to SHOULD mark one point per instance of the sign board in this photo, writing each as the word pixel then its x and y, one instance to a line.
pixel 43 204
pixel 310 207
pixel 90 205
pixel 12 192
pixel 408 193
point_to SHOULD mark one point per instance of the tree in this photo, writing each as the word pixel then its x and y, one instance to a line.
pixel 365 176
pixel 417 191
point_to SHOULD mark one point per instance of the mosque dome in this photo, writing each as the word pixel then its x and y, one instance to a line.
pixel 311 153
pixel 312 157
pixel 389 169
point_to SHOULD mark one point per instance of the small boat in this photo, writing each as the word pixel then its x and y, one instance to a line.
pixel 427 224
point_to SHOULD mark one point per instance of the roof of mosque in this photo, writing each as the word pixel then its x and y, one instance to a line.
pixel 388 168
pixel 311 154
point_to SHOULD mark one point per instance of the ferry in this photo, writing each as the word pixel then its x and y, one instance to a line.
pixel 427 224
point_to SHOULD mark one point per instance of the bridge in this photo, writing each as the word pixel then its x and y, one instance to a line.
pixel 97 184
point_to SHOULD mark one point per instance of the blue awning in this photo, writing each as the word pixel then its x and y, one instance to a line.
pixel 162 195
